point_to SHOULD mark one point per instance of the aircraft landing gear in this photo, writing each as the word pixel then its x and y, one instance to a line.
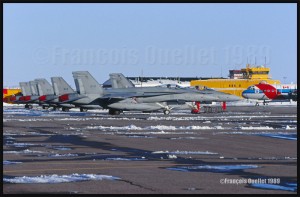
pixel 114 112
pixel 45 107
pixel 65 109
pixel 83 109
pixel 28 106
pixel 166 112
pixel 196 109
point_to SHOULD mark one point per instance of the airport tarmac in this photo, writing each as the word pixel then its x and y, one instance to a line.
pixel 245 150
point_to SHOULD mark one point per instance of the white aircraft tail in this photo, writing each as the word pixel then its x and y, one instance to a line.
pixel 118 80
pixel 86 83
pixel 25 88
pixel 33 87
pixel 60 86
pixel 44 87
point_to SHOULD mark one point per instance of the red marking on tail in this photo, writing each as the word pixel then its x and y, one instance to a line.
pixel 63 97
pixel 4 91
pixel 13 98
pixel 269 91
pixel 27 98
pixel 42 98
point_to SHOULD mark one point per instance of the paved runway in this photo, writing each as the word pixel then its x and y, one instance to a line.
pixel 245 150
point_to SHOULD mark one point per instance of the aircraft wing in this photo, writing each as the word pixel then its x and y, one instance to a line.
pixel 125 95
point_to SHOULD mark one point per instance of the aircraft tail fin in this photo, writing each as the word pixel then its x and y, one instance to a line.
pixel 269 90
pixel 33 87
pixel 118 80
pixel 25 88
pixel 60 86
pixel 44 87
pixel 86 83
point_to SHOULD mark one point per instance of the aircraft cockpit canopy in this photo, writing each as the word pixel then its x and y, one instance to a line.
pixel 201 87
pixel 251 88
pixel 171 86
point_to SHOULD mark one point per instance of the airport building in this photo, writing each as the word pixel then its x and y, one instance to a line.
pixel 238 81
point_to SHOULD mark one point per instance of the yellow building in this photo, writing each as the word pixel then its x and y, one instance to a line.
pixel 239 80
pixel 8 92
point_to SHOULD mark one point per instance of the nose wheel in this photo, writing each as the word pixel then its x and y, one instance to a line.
pixel 166 112
pixel 28 106
pixel 83 109
pixel 65 109
pixel 114 112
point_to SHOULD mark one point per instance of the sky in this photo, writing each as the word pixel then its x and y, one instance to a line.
pixel 140 39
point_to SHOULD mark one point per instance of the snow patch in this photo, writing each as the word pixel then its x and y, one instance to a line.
pixel 185 152
pixel 6 162
pixel 59 178
pixel 27 151
pixel 256 128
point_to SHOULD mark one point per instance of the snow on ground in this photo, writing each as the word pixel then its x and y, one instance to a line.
pixel 6 162
pixel 19 144
pixel 291 136
pixel 188 138
pixel 256 128
pixel 13 105
pixel 185 152
pixel 59 178
pixel 213 168
pixel 287 187
pixel 27 151
pixel 9 133
pixel 126 159
pixel 157 127
pixel 174 128
pixel 61 148
pixel 63 155
pixel 279 135
pixel 147 133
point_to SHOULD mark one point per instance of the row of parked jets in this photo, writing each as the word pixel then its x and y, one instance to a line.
pixel 122 96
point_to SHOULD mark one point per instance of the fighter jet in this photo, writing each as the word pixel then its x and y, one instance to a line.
pixel 79 98
pixel 49 95
pixel 44 89
pixel 118 80
pixel 25 91
pixel 57 96
pixel 29 94
pixel 133 98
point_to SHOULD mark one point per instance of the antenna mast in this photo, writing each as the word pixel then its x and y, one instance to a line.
pixel 142 79
pixel 265 61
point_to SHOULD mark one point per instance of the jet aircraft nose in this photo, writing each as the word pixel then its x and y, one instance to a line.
pixel 244 94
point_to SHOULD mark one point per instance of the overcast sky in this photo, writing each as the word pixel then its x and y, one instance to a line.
pixel 174 40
